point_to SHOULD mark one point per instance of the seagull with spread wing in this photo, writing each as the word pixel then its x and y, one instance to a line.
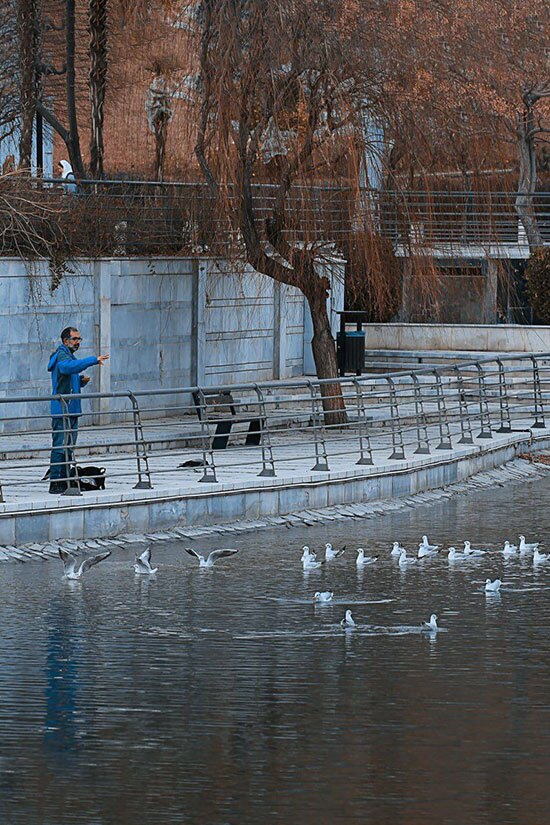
pixel 70 562
pixel 142 564
pixel 212 557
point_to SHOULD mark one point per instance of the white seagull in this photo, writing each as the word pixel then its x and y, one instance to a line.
pixel 331 553
pixel 362 560
pixel 455 555
pixel 404 560
pixel 540 558
pixel 431 625
pixel 311 563
pixel 472 551
pixel 527 548
pixel 348 620
pixel 424 551
pixel 426 544
pixel 492 587
pixel 325 596
pixel 396 549
pixel 212 557
pixel 70 562
pixel 307 554
pixel 509 549
pixel 142 564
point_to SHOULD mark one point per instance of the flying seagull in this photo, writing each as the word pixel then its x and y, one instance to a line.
pixel 70 563
pixel 212 557
pixel 142 564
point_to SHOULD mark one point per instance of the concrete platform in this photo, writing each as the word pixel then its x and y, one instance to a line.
pixel 178 498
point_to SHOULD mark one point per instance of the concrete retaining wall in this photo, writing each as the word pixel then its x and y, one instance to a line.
pixel 476 337
pixel 166 322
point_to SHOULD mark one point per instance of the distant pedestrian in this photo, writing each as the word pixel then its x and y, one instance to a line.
pixel 65 368
pixel 68 175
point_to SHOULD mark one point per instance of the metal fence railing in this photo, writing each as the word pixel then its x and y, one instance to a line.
pixel 52 217
pixel 268 429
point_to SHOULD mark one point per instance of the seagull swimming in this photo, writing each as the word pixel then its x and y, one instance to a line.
pixel 509 549
pixel 492 587
pixel 70 562
pixel 331 553
pixel 426 544
pixel 404 559
pixel 396 549
pixel 142 564
pixel 540 558
pixel 348 620
pixel 431 625
pixel 362 560
pixel 308 554
pixel 426 550
pixel 311 563
pixel 527 548
pixel 325 596
pixel 212 557
pixel 455 554
pixel 472 551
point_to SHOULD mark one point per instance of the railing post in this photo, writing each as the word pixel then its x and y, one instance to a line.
pixel 68 453
pixel 141 448
pixel 396 435
pixel 484 417
pixel 504 407
pixel 421 428
pixel 362 424
pixel 445 442
pixel 539 406
pixel 321 457
pixel 466 435
pixel 268 464
pixel 209 474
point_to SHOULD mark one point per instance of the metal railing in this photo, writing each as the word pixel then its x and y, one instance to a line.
pixel 279 429
pixel 124 217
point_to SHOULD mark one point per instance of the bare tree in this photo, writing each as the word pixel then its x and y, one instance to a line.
pixel 98 27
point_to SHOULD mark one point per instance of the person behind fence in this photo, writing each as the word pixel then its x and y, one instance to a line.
pixel 65 368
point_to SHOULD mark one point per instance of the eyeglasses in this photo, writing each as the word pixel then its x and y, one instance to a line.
pixel 75 338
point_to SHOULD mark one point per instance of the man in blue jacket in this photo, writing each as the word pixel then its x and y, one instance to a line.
pixel 65 368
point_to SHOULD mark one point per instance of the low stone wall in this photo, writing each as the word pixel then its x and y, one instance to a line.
pixel 463 337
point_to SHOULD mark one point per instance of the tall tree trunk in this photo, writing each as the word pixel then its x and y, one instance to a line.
pixel 73 143
pixel 527 177
pixel 28 26
pixel 98 11
pixel 316 290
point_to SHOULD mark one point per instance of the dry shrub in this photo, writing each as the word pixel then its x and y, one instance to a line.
pixel 537 275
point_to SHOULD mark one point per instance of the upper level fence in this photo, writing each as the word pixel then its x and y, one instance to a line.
pixel 269 429
pixel 111 218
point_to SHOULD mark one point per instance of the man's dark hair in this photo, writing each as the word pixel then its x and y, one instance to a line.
pixel 66 333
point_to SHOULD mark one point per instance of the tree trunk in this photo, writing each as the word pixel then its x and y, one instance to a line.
pixel 97 81
pixel 73 143
pixel 27 20
pixel 324 350
pixel 527 178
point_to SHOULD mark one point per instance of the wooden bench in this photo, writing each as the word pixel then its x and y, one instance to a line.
pixel 220 407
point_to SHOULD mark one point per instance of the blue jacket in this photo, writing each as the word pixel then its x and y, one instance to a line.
pixel 65 368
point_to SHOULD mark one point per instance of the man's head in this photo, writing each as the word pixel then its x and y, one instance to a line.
pixel 70 336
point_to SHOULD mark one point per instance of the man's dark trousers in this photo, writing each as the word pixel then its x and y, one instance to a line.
pixel 62 458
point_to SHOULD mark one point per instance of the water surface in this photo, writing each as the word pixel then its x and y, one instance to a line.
pixel 227 696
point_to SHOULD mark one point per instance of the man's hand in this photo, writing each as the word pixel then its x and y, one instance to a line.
pixel 85 379
pixel 101 359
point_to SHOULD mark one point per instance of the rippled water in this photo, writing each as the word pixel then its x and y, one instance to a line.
pixel 226 696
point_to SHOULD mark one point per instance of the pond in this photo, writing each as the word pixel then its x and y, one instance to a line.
pixel 226 697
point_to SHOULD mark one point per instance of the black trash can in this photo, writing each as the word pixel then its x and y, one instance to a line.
pixel 351 351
